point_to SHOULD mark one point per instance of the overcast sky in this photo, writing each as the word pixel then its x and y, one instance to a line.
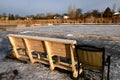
pixel 27 7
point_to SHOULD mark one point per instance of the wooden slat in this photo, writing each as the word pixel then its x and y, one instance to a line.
pixel 66 41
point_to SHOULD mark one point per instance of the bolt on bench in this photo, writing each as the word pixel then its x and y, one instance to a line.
pixel 36 46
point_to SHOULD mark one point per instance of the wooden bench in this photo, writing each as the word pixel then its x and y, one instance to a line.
pixel 50 46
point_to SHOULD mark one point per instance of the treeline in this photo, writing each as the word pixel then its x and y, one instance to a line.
pixel 73 13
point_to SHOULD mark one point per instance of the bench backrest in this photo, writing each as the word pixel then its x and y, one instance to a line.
pixel 55 46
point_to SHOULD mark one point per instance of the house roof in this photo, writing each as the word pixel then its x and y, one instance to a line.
pixel 117 13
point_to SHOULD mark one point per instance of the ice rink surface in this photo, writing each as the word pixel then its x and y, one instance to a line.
pixel 39 71
pixel 106 30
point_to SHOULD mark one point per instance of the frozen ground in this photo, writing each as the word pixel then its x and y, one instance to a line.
pixel 41 72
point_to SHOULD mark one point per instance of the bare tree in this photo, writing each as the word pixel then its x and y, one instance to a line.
pixel 78 13
pixel 96 13
pixel 1 16
pixel 114 8
pixel 49 15
pixel 11 17
pixel 72 11
pixel 118 9
pixel 88 14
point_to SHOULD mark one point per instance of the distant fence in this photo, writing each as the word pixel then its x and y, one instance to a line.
pixel 7 26
pixel 115 20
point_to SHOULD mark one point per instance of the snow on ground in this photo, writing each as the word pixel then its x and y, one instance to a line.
pixel 41 72
pixel 31 71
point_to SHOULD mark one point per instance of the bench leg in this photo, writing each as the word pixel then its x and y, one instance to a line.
pixel 30 56
pixel 58 59
pixel 75 73
pixel 16 53
pixel 51 63
pixel 38 55
pixel 49 55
